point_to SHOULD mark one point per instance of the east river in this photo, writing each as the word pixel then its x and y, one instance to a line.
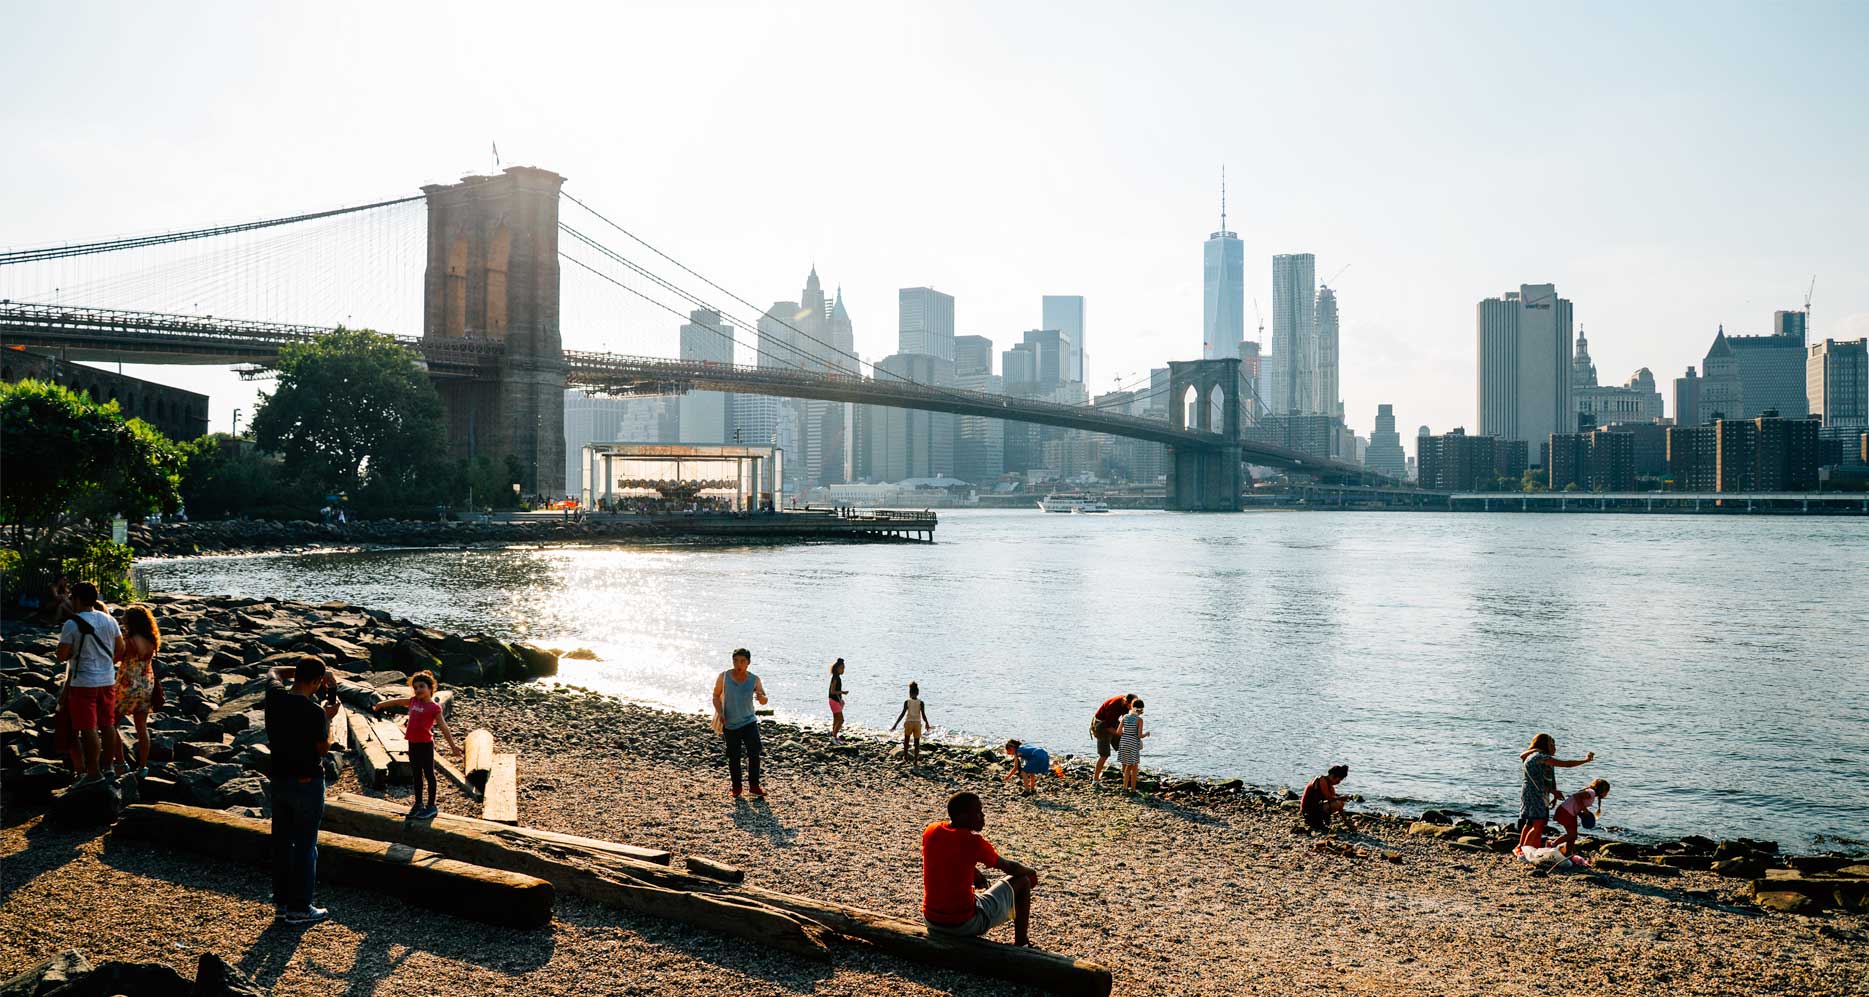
pixel 1718 666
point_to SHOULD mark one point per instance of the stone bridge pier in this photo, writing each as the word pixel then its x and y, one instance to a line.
pixel 1204 478
pixel 493 276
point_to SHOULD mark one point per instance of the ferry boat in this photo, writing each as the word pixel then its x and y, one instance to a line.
pixel 1071 502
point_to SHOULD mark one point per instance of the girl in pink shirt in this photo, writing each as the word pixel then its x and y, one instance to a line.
pixel 424 717
pixel 1580 801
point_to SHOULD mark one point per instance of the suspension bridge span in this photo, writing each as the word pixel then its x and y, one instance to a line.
pixel 492 345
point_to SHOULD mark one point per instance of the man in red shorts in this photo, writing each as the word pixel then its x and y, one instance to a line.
pixel 91 641
pixel 1107 728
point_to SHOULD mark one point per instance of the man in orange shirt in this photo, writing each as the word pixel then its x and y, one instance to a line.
pixel 952 852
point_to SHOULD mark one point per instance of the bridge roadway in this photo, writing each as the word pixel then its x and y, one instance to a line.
pixel 150 337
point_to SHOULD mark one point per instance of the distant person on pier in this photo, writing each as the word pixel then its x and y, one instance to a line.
pixel 1576 808
pixel 1129 747
pixel 1029 761
pixel 956 899
pixel 837 701
pixel 1538 787
pixel 1107 727
pixel 1320 802
pixel 914 720
pixel 735 692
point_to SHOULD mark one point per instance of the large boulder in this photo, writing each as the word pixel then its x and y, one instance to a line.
pixel 93 803
pixel 243 791
pixel 215 978
pixel 540 663
pixel 463 671
pixel 202 785
pixel 406 656
pixel 48 975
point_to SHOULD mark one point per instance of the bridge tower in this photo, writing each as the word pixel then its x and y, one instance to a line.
pixel 493 276
pixel 1204 478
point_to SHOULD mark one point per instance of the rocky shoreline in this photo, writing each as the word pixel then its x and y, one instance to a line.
pixel 260 536
pixel 1126 877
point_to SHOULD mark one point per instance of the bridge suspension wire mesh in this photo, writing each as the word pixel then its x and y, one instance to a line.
pixel 360 267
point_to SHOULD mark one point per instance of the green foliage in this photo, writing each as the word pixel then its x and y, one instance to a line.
pixel 490 484
pixel 227 476
pixel 353 413
pixel 1533 480
pixel 106 564
pixel 13 582
pixel 71 461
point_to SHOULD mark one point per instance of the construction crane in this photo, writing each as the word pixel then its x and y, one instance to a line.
pixel 1260 336
pixel 1807 307
pixel 1333 277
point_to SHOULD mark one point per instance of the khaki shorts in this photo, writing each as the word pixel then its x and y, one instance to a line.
pixel 992 907
pixel 911 729
pixel 1105 740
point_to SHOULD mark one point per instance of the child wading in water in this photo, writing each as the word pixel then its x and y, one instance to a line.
pixel 1129 747
pixel 424 717
pixel 914 720
pixel 1029 761
pixel 837 701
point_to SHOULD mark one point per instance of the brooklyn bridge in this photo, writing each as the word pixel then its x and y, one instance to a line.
pixel 491 337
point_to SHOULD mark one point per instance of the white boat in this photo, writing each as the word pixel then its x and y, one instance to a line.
pixel 1070 502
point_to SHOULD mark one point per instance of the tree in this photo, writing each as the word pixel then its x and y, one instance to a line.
pixel 70 460
pixel 228 476
pixel 353 412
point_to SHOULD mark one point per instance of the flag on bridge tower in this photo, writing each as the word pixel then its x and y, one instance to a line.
pixel 496 155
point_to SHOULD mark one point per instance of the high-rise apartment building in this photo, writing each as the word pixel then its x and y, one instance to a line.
pixel 925 318
pixel 1384 455
pixel 910 443
pixel 1597 461
pixel 1837 381
pixel 1771 374
pixel 973 355
pixel 1687 399
pixel 1065 313
pixel 1745 455
pixel 1792 324
pixel 1457 462
pixel 1294 334
pixel 1324 393
pixel 1019 367
pixel 980 442
pixel 1048 354
pixel 1524 354
pixel 1223 288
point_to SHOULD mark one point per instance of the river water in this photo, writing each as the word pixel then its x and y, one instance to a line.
pixel 1718 666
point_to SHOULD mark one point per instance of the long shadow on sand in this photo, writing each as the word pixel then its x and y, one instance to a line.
pixel 47 848
pixel 759 819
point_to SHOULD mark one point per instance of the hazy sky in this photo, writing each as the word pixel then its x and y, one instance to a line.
pixel 1670 167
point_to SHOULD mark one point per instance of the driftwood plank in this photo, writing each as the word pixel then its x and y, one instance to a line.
pixel 453 774
pixel 502 802
pixel 497 896
pixel 396 745
pixel 390 811
pixel 478 760
pixel 372 761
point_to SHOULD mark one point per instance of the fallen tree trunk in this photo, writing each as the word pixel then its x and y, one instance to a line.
pixel 478 756
pixel 1057 973
pixel 539 853
pixel 496 896
pixel 603 877
pixel 344 804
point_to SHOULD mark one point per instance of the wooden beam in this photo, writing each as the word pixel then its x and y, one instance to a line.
pixel 1057 973
pixel 603 877
pixel 496 896
pixel 372 760
pixel 454 775
pixel 386 810
pixel 396 746
pixel 502 802
pixel 478 752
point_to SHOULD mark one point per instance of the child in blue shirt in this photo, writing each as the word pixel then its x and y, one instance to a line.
pixel 1029 761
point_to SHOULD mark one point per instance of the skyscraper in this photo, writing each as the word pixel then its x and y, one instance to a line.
pixel 812 333
pixel 1294 334
pixel 1523 364
pixel 1837 375
pixel 1065 313
pixel 979 442
pixel 1325 391
pixel 1722 393
pixel 1771 373
pixel 926 322
pixel 1792 324
pixel 706 416
pixel 973 355
pixel 1385 455
pixel 1687 399
pixel 1223 282
pixel 911 443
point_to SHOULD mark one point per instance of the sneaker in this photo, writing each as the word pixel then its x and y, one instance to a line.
pixel 430 812
pixel 736 792
pixel 759 791
pixel 87 780
pixel 310 915
pixel 415 813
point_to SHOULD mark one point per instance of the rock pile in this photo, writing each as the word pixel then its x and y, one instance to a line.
pixel 208 742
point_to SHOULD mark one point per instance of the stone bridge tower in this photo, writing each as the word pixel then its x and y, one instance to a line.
pixel 493 277
pixel 1205 479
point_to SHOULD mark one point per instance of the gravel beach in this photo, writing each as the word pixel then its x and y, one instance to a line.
pixel 1211 895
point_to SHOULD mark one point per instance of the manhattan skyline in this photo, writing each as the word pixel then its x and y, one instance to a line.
pixel 1682 178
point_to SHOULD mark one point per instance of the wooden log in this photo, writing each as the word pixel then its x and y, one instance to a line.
pixel 339 732
pixel 1054 972
pixel 715 870
pixel 454 775
pixel 599 876
pixel 478 762
pixel 372 760
pixel 496 896
pixel 396 746
pixel 502 799
pixel 1604 863
pixel 391 813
